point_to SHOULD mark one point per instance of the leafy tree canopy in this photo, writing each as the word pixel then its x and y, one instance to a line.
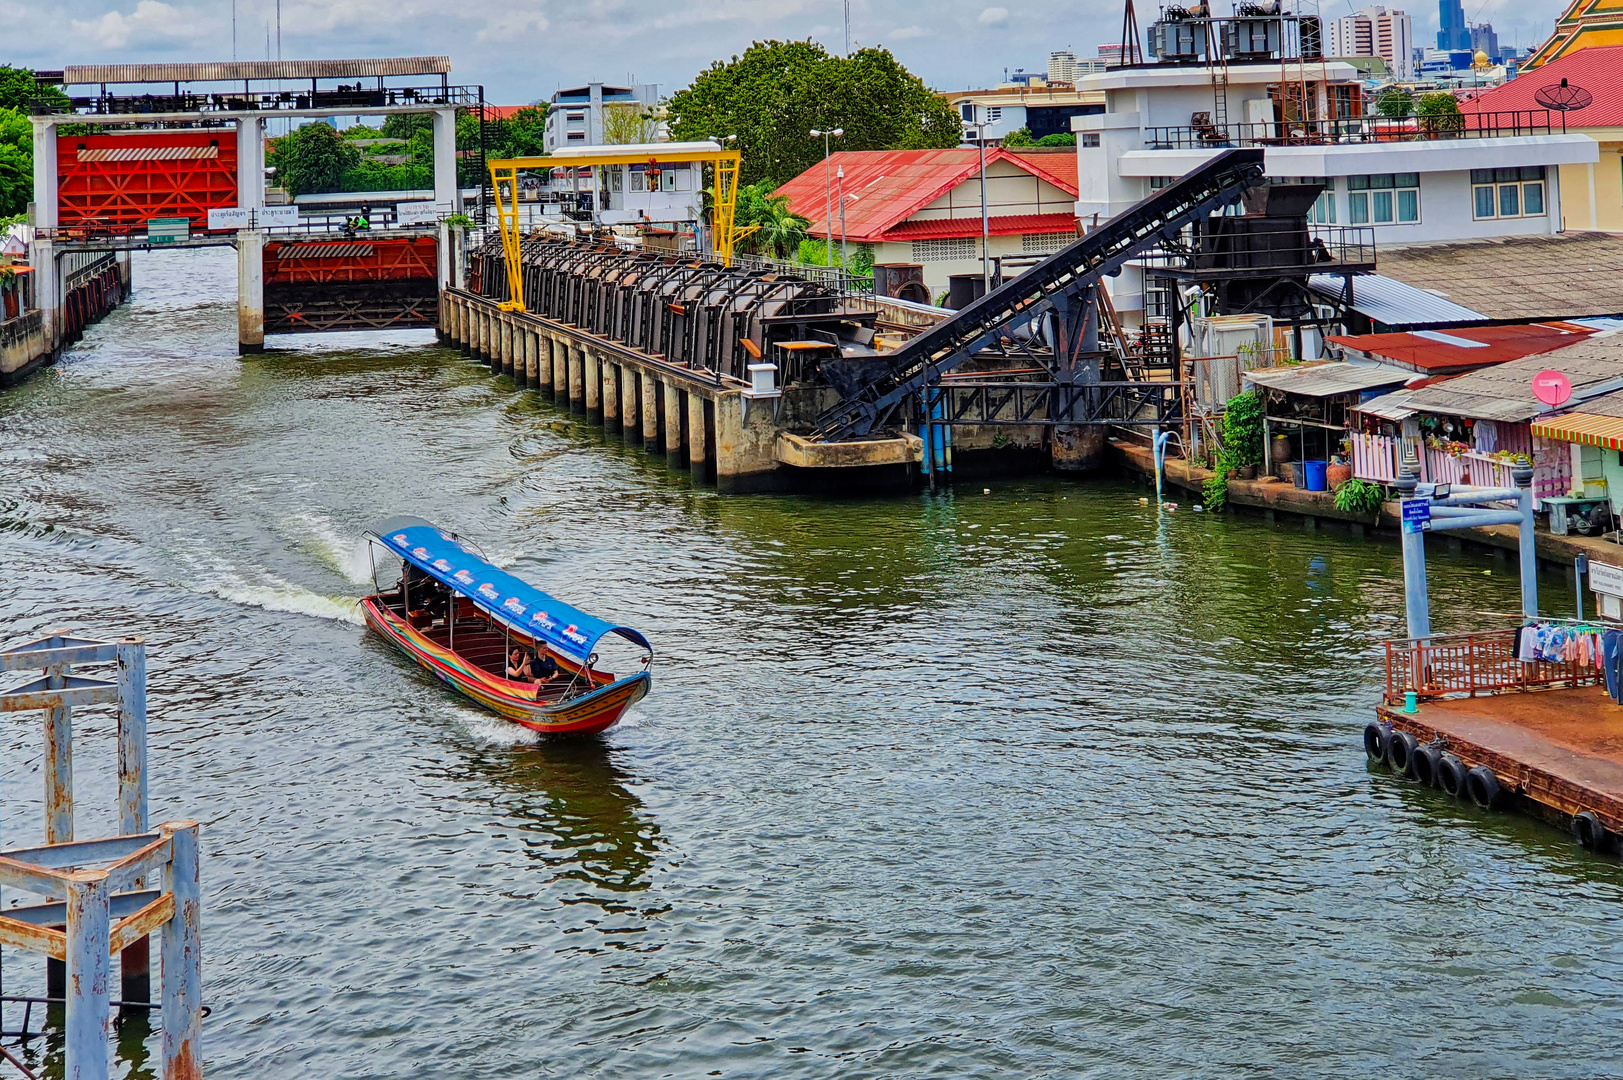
pixel 1019 137
pixel 16 162
pixel 1059 138
pixel 773 95
pixel 1395 103
pixel 18 87
pixel 312 159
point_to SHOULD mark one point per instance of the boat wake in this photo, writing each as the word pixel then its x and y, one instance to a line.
pixel 494 731
pixel 342 552
pixel 283 596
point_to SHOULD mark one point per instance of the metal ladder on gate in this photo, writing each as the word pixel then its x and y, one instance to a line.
pixel 1050 286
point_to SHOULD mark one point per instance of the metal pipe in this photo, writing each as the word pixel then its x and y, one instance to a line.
pixel 132 736
pixel 1523 476
pixel 1416 602
pixel 58 762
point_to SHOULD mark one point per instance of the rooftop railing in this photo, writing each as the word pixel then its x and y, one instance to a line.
pixel 1369 129
pixel 1472 664
pixel 355 97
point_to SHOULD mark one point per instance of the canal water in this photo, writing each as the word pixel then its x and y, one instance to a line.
pixel 1039 782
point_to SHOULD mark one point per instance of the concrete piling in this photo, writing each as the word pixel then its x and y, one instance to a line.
pixel 560 372
pixel 611 397
pixel 594 386
pixel 675 441
pixel 577 380
pixel 631 406
pixel 650 413
pixel 697 456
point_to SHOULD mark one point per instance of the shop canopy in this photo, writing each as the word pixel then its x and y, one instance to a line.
pixel 494 591
pixel 1585 429
pixel 1327 379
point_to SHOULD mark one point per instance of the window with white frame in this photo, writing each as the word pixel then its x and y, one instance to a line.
pixel 1324 207
pixel 1044 243
pixel 943 250
pixel 1507 193
pixel 994 113
pixel 1159 182
pixel 1090 138
pixel 1383 199
pixel 639 179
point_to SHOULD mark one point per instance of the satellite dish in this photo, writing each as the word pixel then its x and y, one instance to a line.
pixel 1564 98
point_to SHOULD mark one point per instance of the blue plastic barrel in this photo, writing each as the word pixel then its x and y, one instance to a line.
pixel 1315 475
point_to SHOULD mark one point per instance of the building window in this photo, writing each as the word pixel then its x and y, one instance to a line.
pixel 1044 243
pixel 575 117
pixel 577 136
pixel 994 113
pixel 1324 207
pixel 1383 199
pixel 1159 182
pixel 968 111
pixel 639 180
pixel 1507 193
pixel 617 180
pixel 1090 138
pixel 943 250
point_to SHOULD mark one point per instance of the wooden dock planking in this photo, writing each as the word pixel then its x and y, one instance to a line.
pixel 1561 749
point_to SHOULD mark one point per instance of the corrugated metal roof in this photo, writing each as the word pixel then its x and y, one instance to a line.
pixel 1585 429
pixel 1392 302
pixel 1539 276
pixel 238 70
pixel 1007 225
pixel 883 188
pixel 1505 391
pixel 1327 379
pixel 1469 347
pixel 1393 406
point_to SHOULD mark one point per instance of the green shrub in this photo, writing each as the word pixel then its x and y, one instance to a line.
pixel 1059 138
pixel 1395 104
pixel 1359 497
pixel 1242 430
pixel 1216 489
pixel 1439 113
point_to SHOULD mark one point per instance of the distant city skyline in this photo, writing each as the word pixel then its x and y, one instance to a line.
pixel 525 51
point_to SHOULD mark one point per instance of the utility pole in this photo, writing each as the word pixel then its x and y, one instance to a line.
pixel 828 193
pixel 845 262
pixel 847 27
pixel 986 224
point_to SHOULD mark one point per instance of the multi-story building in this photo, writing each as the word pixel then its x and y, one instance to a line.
pixel 1062 67
pixel 1453 33
pixel 1406 181
pixel 1375 31
pixel 1041 110
pixel 575 116
pixel 1484 40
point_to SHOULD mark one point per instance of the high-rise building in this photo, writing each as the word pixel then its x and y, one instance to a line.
pixel 1062 67
pixel 1376 31
pixel 1111 55
pixel 1484 40
pixel 1453 33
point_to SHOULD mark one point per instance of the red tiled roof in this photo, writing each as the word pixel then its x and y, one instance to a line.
pixel 883 188
pixel 958 228
pixel 1598 69
pixel 1498 345
pixel 503 112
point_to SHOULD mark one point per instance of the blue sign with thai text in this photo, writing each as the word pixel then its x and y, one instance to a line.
pixel 1416 512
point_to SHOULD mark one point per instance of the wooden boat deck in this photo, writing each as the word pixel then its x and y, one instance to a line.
pixel 1559 748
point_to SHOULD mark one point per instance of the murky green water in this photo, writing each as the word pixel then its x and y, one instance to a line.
pixel 1035 783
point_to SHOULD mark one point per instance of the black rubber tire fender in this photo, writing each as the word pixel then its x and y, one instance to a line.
pixel 1451 775
pixel 1400 750
pixel 1423 763
pixel 1588 831
pixel 1484 788
pixel 1375 736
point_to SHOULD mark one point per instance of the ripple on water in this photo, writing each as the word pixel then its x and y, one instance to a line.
pixel 1037 783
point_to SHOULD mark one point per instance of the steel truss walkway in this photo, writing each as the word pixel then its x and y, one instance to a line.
pixel 1061 287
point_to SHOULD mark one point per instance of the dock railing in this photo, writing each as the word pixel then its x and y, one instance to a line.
pixel 1472 664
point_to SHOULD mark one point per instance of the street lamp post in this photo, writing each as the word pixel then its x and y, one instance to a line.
pixel 845 262
pixel 828 199
pixel 986 225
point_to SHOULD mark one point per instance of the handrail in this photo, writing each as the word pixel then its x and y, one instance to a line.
pixel 1370 129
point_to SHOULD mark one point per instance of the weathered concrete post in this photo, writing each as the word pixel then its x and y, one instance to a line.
pixel 532 365
pixel 577 380
pixel 183 957
pixel 650 413
pixel 675 418
pixel 87 992
pixel 560 372
pixel 696 440
pixel 631 405
pixel 594 384
pixel 611 397
pixel 464 326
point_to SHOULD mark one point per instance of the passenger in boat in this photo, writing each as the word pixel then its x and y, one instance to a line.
pixel 518 666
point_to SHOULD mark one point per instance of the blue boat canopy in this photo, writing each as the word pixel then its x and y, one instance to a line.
pixel 494 591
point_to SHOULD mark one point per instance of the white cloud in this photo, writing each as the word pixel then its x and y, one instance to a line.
pixel 907 32
pixel 994 16
pixel 513 26
pixel 150 21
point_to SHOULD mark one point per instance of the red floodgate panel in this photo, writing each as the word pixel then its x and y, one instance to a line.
pixel 395 258
pixel 116 183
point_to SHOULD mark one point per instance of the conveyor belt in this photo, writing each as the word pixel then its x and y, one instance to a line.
pixel 1049 286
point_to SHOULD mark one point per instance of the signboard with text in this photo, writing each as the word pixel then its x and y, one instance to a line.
pixel 1416 513
pixel 419 213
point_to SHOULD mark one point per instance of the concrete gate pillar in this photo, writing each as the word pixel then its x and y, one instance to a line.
pixel 631 405
pixel 560 371
pixel 250 291
pixel 577 380
pixel 594 385
pixel 532 376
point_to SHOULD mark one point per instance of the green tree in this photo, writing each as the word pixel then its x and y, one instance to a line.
pixel 16 162
pixel 1394 104
pixel 19 89
pixel 1059 138
pixel 1439 112
pixel 773 95
pixel 625 122
pixel 1019 137
pixel 312 159
pixel 405 125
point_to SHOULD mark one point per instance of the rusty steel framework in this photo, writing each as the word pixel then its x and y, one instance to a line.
pixel 114 184
pixel 375 283
pixel 99 896
pixel 696 314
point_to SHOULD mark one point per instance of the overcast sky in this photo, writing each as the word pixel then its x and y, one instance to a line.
pixel 523 50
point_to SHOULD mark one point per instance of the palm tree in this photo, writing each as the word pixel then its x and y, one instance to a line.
pixel 781 229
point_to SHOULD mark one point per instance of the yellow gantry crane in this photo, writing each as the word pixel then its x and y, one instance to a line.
pixel 504 173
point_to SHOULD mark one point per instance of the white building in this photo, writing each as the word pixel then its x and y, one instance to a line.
pixel 1041 110
pixel 1375 31
pixel 1062 67
pixel 575 116
pixel 1389 176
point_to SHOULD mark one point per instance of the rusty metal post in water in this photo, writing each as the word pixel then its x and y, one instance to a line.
pixel 183 957
pixel 135 961
pixel 88 930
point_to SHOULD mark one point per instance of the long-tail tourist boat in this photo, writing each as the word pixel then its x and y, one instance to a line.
pixel 461 618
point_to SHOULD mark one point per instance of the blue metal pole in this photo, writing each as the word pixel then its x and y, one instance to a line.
pixel 1523 476
pixel 182 957
pixel 1416 602
pixel 88 996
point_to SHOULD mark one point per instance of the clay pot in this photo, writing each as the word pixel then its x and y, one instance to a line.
pixel 1336 475
pixel 1246 472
